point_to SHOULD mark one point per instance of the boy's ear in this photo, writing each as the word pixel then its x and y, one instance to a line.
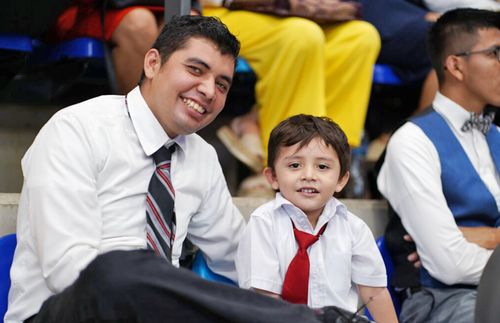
pixel 271 178
pixel 342 182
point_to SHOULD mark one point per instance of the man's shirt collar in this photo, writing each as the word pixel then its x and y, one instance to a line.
pixel 149 130
pixel 454 113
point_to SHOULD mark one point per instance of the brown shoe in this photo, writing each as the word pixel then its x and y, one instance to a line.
pixel 238 148
pixel 256 186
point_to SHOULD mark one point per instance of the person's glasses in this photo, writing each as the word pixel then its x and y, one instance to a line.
pixel 495 50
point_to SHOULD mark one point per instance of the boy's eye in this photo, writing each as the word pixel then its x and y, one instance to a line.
pixel 323 166
pixel 294 165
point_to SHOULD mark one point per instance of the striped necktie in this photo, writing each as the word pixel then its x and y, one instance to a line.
pixel 160 206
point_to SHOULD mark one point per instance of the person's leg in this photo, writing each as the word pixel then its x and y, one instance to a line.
pixel 287 54
pixel 350 53
pixel 137 286
pixel 131 31
pixel 433 305
pixel 455 305
pixel 131 40
pixel 417 307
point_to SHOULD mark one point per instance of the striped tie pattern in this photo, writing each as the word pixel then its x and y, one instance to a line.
pixel 160 229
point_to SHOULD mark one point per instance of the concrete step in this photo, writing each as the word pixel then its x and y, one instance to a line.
pixel 373 212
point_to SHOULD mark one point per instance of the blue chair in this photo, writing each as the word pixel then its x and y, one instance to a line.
pixel 7 247
pixel 389 267
pixel 15 42
pixel 78 48
pixel 14 50
pixel 82 60
pixel 383 74
pixel 200 268
pixel 242 66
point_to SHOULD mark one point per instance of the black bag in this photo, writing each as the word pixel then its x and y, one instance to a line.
pixel 30 17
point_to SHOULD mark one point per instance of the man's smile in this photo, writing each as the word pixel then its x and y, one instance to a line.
pixel 194 105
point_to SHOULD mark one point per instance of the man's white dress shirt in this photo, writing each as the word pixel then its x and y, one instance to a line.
pixel 85 183
pixel 410 179
pixel 442 6
pixel 346 253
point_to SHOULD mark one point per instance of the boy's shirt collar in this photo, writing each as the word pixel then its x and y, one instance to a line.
pixel 333 207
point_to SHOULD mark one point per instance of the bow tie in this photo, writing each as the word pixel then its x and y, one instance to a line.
pixel 480 122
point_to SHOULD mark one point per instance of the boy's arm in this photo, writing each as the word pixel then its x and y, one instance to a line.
pixel 267 293
pixel 379 303
pixel 257 261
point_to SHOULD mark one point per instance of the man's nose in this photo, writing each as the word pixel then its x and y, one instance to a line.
pixel 207 88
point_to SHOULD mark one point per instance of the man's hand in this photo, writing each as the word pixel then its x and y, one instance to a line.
pixel 432 16
pixel 342 11
pixel 304 7
pixel 485 237
pixel 324 9
pixel 413 257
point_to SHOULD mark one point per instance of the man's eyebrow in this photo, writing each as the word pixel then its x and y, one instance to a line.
pixel 195 60
pixel 199 61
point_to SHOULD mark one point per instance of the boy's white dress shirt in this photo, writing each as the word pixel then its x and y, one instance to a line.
pixel 346 253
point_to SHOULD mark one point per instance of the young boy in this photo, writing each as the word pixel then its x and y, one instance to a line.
pixel 308 161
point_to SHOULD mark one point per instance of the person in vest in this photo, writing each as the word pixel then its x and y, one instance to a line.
pixel 441 169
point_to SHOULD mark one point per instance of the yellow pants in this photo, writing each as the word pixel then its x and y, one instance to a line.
pixel 302 67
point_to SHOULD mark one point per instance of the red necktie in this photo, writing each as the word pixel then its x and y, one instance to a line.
pixel 296 281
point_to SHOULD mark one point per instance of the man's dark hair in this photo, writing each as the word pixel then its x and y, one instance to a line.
pixel 302 129
pixel 456 31
pixel 180 29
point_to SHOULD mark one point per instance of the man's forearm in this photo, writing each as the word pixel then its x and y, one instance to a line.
pixel 485 237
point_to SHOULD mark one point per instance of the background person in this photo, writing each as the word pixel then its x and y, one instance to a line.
pixel 441 170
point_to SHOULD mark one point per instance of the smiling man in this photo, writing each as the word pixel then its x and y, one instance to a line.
pixel 114 185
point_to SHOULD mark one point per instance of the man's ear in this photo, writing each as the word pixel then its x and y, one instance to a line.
pixel 455 67
pixel 271 178
pixel 342 182
pixel 152 63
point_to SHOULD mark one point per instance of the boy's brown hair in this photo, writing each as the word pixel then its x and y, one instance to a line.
pixel 302 129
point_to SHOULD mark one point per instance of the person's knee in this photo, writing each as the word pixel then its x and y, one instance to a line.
pixel 365 36
pixel 137 25
pixel 114 274
pixel 302 35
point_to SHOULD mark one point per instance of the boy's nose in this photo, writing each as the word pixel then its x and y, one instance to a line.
pixel 308 173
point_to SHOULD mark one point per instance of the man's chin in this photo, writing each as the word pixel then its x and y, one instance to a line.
pixel 193 128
